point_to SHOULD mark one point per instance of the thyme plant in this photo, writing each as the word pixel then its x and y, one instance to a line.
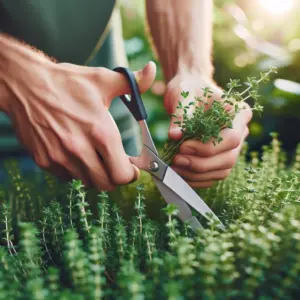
pixel 54 245
pixel 116 257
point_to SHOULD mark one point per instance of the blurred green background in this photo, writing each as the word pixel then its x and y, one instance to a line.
pixel 249 37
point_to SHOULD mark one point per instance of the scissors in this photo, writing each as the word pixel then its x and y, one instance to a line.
pixel 172 187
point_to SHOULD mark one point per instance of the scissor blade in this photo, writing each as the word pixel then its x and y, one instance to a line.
pixel 185 214
pixel 146 136
pixel 174 182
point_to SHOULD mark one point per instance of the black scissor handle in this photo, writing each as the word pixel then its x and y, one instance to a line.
pixel 134 103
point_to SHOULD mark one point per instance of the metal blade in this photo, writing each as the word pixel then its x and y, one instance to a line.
pixel 146 137
pixel 172 187
pixel 185 214
pixel 174 182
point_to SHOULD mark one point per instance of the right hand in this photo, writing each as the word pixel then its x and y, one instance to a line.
pixel 60 114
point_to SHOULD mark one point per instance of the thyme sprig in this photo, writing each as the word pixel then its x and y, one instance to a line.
pixel 210 116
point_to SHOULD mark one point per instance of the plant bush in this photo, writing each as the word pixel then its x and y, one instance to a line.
pixel 54 248
pixel 60 241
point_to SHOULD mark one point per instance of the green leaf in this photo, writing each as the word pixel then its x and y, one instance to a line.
pixel 184 94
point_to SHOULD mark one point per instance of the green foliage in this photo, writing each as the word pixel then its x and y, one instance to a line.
pixel 66 253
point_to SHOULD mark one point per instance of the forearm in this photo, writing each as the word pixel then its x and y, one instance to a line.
pixel 182 35
pixel 4 96
pixel 16 59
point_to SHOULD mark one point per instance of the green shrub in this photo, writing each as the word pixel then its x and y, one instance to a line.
pixel 62 251
pixel 59 241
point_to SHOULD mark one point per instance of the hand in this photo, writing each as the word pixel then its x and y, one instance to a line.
pixel 202 164
pixel 60 113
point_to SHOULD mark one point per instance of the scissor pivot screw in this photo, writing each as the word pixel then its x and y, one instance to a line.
pixel 153 166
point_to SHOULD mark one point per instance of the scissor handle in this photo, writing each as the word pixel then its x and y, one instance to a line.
pixel 134 103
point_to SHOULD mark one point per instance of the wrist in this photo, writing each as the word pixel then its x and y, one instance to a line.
pixel 17 62
pixel 12 49
pixel 191 76
pixel 196 66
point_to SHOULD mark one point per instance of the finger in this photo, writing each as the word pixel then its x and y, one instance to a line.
pixel 91 163
pixel 231 138
pixel 171 100
pixel 117 84
pixel 175 130
pixel 222 161
pixel 201 177
pixel 78 171
pixel 59 172
pixel 202 185
pixel 106 139
pixel 36 149
pixel 66 167
pixel 55 159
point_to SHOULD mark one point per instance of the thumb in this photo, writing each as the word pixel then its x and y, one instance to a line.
pixel 175 130
pixel 120 86
pixel 177 106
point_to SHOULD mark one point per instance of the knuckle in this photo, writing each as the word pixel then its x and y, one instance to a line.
pixel 209 150
pixel 42 162
pixel 201 167
pixel 247 131
pixel 95 75
pixel 69 143
pixel 208 185
pixel 201 185
pixel 107 187
pixel 224 174
pixel 121 178
pixel 58 158
pixel 83 179
pixel 231 159
pixel 101 181
pixel 100 134
pixel 95 129
pixel 74 144
pixel 235 138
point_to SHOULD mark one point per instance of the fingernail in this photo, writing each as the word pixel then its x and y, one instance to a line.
pixel 176 129
pixel 145 68
pixel 181 161
pixel 141 73
pixel 175 133
pixel 188 150
pixel 136 174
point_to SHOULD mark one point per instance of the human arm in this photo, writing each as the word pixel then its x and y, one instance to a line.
pixel 182 36
pixel 4 95
pixel 60 114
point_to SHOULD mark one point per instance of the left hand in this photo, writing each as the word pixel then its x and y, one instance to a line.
pixel 202 164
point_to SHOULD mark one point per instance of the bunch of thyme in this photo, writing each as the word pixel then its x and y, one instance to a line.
pixel 211 116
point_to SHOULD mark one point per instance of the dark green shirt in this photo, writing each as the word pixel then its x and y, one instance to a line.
pixel 74 31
